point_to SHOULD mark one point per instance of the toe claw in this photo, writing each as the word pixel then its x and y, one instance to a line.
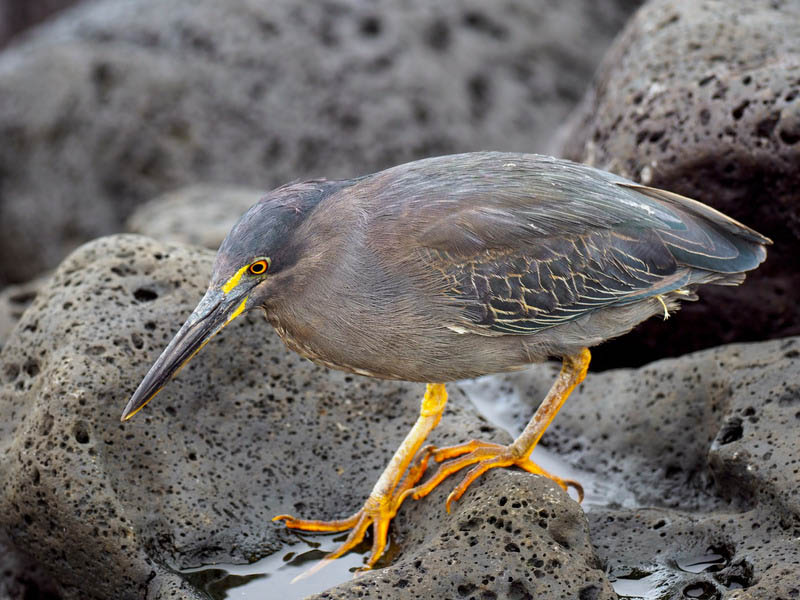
pixel 571 483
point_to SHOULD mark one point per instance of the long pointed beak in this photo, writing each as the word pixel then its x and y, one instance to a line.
pixel 213 313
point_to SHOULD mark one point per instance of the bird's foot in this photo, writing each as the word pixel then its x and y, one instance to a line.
pixel 402 473
pixel 378 511
pixel 487 456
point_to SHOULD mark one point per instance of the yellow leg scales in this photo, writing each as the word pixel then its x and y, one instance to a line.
pixel 486 455
pixel 400 477
pixel 389 492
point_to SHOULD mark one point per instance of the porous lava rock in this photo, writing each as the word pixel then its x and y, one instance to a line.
pixel 510 536
pixel 690 467
pixel 247 431
pixel 116 101
pixel 703 98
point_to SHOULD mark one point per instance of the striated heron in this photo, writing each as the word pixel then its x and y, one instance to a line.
pixel 454 267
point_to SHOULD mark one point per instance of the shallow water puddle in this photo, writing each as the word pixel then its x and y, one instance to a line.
pixel 272 576
pixel 638 584
pixel 662 583
pixel 711 560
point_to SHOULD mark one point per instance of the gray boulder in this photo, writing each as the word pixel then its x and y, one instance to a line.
pixel 703 98
pixel 689 464
pixel 199 215
pixel 247 431
pixel 117 101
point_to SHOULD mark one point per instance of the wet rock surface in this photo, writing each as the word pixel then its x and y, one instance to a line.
pixel 703 98
pixel 247 431
pixel 697 488
pixel 116 101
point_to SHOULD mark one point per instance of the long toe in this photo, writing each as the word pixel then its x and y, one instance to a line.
pixel 565 484
pixel 379 517
pixel 484 456
pixel 319 526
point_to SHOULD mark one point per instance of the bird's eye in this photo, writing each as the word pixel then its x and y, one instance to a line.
pixel 259 267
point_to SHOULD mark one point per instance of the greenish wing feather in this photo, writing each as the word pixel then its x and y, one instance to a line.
pixel 708 239
pixel 520 258
pixel 528 242
pixel 558 279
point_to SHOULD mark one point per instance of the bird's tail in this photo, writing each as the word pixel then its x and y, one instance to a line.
pixel 716 248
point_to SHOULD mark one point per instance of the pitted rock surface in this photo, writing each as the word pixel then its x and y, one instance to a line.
pixel 201 215
pixel 510 536
pixel 118 101
pixel 248 430
pixel 684 459
pixel 703 98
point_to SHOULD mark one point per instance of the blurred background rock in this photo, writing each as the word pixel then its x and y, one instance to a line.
pixel 703 98
pixel 18 15
pixel 169 118
pixel 116 101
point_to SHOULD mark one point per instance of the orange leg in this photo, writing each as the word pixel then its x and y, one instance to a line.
pixel 389 491
pixel 489 456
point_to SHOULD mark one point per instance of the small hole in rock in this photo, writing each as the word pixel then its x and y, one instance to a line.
pixel 31 368
pixel 370 27
pixel 438 35
pixel 739 110
pixel 137 341
pixel 731 431
pixel 145 295
pixel 81 432
pixel 11 371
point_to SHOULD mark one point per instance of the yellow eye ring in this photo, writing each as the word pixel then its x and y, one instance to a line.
pixel 259 267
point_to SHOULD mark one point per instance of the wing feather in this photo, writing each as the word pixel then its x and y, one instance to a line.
pixel 527 242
